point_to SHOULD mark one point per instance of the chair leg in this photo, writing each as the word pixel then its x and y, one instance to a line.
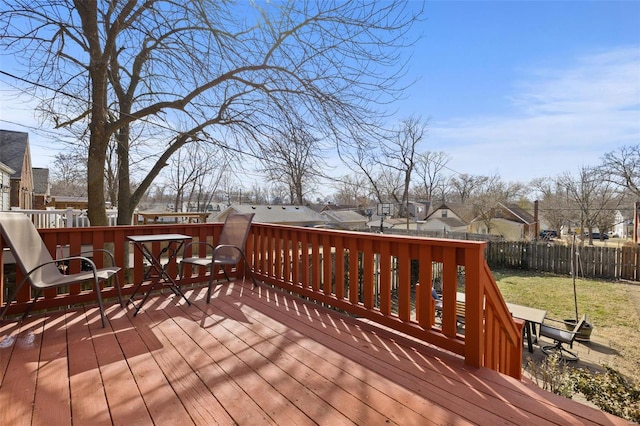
pixel 117 282
pixel 248 268
pixel 96 285
pixel 561 351
pixel 211 270
pixel 11 299
pixel 32 304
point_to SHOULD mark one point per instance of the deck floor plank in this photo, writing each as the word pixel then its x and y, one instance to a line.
pixel 250 357
pixel 88 400
pixel 17 392
pixel 384 362
pixel 126 404
pixel 277 350
pixel 253 388
pixel 230 335
pixel 197 398
pixel 302 353
pixel 52 403
pixel 162 402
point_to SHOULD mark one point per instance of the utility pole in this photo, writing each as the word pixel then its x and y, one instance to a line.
pixel 636 220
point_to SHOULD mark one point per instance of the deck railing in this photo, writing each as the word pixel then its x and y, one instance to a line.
pixel 372 276
pixel 64 218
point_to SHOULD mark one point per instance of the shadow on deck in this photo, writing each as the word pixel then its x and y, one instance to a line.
pixel 250 357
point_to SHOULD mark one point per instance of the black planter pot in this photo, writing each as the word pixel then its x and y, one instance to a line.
pixel 584 335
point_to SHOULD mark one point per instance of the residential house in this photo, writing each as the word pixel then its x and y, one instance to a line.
pixel 345 219
pixel 447 217
pixel 419 209
pixel 41 193
pixel 70 202
pixel 623 221
pixel 5 186
pixel 14 153
pixel 510 221
pixel 280 215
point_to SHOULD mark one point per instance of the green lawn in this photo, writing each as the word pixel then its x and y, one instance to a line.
pixel 608 306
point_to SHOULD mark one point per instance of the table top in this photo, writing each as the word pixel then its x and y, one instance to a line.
pixel 517 311
pixel 526 313
pixel 158 238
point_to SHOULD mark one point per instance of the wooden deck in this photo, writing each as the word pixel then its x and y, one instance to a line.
pixel 250 357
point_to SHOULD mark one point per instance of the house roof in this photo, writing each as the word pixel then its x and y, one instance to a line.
pixel 6 169
pixel 13 147
pixel 452 222
pixel 344 216
pixel 520 213
pixel 462 210
pixel 40 180
pixel 299 215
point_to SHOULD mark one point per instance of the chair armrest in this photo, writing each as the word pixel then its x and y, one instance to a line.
pixel 198 244
pixel 221 246
pixel 108 252
pixel 553 320
pixel 62 259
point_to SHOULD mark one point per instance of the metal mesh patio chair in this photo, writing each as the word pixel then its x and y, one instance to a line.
pixel 228 251
pixel 560 337
pixel 41 270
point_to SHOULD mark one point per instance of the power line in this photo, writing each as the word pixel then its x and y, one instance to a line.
pixel 146 121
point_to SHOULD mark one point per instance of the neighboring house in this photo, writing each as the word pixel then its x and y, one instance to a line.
pixel 623 227
pixel 443 224
pixel 41 193
pixel 69 202
pixel 419 209
pixel 280 215
pixel 509 221
pixel 14 153
pixel 462 211
pixel 5 186
pixel 345 219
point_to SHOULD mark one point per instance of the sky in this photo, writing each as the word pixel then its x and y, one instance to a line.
pixel 527 89
pixel 524 89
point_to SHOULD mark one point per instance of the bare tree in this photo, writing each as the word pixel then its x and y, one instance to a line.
pixel 194 177
pixel 429 168
pixel 493 192
pixel 292 158
pixel 191 69
pixel 463 186
pixel 68 175
pixel 622 167
pixel 554 206
pixel 353 190
pixel 389 168
pixel 399 153
pixel 594 198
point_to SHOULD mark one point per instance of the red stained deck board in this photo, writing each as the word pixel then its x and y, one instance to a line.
pixel 138 344
pixel 17 392
pixel 52 403
pixel 250 357
pixel 88 400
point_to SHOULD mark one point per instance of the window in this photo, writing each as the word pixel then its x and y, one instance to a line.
pixel 444 213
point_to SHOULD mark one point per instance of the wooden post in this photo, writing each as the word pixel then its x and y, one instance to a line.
pixel 474 306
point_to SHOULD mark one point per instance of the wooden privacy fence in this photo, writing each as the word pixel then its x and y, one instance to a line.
pixel 592 261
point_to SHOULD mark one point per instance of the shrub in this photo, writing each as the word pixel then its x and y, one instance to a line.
pixel 555 376
pixel 610 391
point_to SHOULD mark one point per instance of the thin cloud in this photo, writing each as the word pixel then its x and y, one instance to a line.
pixel 561 119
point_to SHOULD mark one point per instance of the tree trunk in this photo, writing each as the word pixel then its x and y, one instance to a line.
pixel 125 205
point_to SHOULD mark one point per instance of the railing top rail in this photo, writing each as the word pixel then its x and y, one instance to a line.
pixel 446 242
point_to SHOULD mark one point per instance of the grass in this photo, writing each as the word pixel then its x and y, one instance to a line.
pixel 609 307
